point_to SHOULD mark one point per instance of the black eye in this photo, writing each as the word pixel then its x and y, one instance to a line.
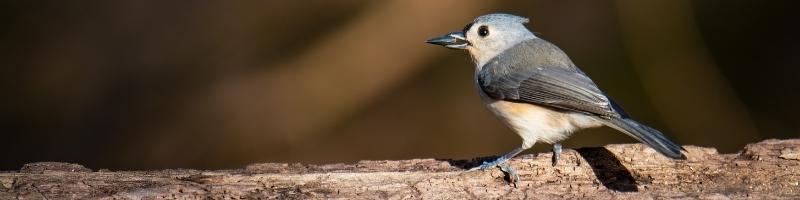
pixel 483 31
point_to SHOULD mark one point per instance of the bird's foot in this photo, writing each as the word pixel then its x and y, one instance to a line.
pixel 556 153
pixel 502 163
pixel 513 177
pixel 488 165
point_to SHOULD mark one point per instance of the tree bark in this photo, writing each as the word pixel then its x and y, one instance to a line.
pixel 764 170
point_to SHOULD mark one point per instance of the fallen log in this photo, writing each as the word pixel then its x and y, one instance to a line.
pixel 764 170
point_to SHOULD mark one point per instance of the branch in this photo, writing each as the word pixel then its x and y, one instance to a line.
pixel 769 169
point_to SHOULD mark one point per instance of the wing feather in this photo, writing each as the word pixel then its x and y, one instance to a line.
pixel 522 76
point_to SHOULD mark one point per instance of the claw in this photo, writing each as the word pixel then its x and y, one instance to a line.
pixel 513 177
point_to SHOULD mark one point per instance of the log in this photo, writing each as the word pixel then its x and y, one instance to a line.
pixel 765 170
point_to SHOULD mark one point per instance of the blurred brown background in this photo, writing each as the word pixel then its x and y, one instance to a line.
pixel 220 84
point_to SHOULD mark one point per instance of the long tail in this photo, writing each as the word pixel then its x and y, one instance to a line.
pixel 647 135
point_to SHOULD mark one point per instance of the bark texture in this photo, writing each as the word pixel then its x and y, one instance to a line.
pixel 764 170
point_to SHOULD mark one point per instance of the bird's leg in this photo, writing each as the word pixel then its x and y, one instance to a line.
pixel 500 160
pixel 556 153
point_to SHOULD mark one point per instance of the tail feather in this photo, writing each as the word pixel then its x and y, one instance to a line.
pixel 647 135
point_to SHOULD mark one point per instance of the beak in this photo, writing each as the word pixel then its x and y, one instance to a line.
pixel 454 40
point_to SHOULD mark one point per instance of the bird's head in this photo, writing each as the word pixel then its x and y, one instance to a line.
pixel 487 36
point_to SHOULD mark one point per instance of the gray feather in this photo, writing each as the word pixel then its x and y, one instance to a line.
pixel 650 136
pixel 536 71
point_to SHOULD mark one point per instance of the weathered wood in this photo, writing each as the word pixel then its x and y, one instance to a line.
pixel 765 170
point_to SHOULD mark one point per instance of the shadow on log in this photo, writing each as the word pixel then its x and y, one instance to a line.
pixel 765 170
pixel 608 169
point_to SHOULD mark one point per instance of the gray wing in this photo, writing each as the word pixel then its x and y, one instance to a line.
pixel 537 72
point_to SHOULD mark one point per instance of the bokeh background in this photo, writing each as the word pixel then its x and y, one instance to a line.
pixel 129 85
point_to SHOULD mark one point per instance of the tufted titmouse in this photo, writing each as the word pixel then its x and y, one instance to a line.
pixel 535 89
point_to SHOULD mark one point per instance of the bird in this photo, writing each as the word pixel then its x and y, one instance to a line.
pixel 535 89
